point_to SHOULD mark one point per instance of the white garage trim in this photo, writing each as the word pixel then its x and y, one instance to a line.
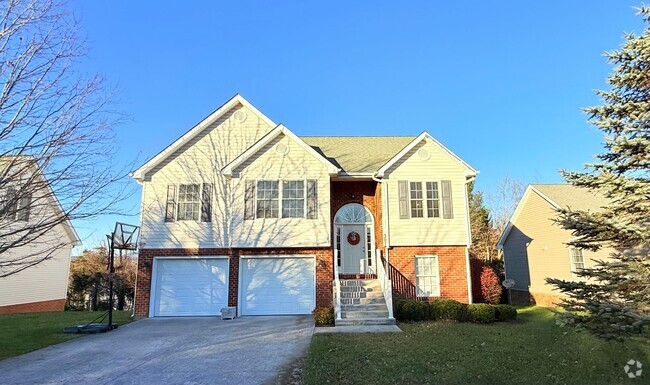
pixel 240 309
pixel 154 275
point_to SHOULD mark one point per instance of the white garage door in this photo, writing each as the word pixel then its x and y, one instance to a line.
pixel 190 287
pixel 278 285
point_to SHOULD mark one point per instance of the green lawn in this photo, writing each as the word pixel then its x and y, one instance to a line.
pixel 22 333
pixel 532 350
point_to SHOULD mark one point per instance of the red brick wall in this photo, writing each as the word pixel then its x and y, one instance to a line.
pixel 365 193
pixel 324 271
pixel 451 263
pixel 34 307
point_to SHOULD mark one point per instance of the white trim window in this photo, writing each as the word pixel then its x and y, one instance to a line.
pixel 577 259
pixel 416 201
pixel 293 199
pixel 268 198
pixel 284 198
pixel 433 200
pixel 425 199
pixel 427 276
pixel 189 202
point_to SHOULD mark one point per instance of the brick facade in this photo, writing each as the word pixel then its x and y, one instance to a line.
pixel 452 265
pixel 452 259
pixel 34 307
pixel 324 271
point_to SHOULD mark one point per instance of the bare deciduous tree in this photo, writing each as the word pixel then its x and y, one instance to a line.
pixel 503 201
pixel 56 140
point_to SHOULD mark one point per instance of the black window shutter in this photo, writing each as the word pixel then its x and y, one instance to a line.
pixel 22 214
pixel 312 199
pixel 170 209
pixel 403 196
pixel 206 203
pixel 447 203
pixel 10 204
pixel 249 200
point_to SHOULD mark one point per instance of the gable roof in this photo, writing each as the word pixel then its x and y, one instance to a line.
pixel 280 129
pixel 559 196
pixel 197 129
pixel 70 231
pixel 576 198
pixel 358 154
pixel 424 136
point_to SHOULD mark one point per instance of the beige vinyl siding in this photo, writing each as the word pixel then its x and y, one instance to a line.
pixel 43 282
pixel 536 247
pixel 428 231
pixel 268 164
pixel 198 161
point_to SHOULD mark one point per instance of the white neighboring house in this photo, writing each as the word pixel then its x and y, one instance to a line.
pixel 42 287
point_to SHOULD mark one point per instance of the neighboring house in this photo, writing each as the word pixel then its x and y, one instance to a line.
pixel 42 287
pixel 240 211
pixel 535 247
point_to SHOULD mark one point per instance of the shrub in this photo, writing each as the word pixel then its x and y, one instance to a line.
pixel 481 313
pixel 446 309
pixel 323 316
pixel 490 286
pixel 505 312
pixel 411 310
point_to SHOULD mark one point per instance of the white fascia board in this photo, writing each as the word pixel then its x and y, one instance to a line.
pixel 280 129
pixel 139 174
pixel 424 136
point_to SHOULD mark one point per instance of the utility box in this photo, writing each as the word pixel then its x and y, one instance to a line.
pixel 228 312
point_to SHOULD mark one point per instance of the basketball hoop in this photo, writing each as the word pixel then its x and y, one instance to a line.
pixel 125 236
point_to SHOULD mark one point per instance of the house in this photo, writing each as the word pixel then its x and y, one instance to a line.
pixel 535 247
pixel 240 211
pixel 43 286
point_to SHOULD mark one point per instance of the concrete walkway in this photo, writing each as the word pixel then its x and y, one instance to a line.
pixel 359 329
pixel 249 350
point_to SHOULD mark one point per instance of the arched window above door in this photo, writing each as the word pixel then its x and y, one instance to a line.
pixel 352 213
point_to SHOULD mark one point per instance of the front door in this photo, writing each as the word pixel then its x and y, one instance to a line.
pixel 353 247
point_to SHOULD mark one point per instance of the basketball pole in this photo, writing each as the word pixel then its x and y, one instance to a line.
pixel 111 273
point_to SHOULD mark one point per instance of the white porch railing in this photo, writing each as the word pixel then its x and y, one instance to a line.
pixel 336 287
pixel 384 282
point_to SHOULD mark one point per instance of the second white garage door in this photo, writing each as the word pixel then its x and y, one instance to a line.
pixel 277 285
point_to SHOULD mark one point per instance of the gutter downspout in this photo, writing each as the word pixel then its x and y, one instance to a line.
pixel 469 240
pixel 386 227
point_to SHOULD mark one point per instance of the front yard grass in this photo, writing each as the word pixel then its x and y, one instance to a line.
pixel 22 333
pixel 531 350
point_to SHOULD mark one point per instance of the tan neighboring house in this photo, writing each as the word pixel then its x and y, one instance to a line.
pixel 242 212
pixel 534 246
pixel 42 287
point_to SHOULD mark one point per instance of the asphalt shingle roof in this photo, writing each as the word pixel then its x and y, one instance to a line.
pixel 576 198
pixel 358 154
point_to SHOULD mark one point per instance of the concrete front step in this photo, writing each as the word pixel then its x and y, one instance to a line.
pixel 362 301
pixel 364 321
pixel 359 282
pixel 361 294
pixel 356 314
pixel 364 307
pixel 357 289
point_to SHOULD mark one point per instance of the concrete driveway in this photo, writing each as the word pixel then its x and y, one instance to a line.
pixel 249 350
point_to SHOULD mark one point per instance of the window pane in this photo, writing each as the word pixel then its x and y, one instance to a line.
pixel 267 199
pixel 293 199
pixel 188 202
pixel 433 200
pixel 426 276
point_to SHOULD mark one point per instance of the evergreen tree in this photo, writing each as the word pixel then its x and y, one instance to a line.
pixel 614 300
pixel 484 236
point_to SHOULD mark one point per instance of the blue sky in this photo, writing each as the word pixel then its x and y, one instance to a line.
pixel 499 83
